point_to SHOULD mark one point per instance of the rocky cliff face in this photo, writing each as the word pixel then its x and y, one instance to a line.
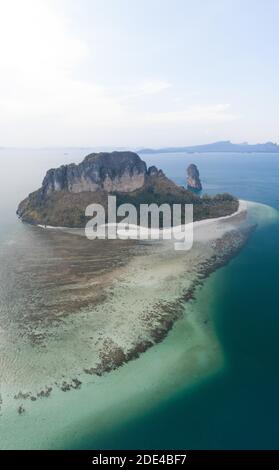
pixel 193 178
pixel 67 191
pixel 116 171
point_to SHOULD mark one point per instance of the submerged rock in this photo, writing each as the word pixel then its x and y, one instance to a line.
pixel 21 410
pixel 44 393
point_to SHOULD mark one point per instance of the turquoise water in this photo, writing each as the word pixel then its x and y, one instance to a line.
pixel 238 407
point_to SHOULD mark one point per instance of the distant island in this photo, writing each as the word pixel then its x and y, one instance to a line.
pixel 222 146
pixel 67 191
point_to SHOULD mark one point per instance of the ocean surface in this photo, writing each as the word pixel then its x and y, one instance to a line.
pixel 238 406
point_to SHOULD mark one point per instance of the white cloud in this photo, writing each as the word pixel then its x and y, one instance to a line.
pixel 141 89
pixel 197 113
pixel 43 102
pixel 34 39
pixel 153 87
pixel 38 61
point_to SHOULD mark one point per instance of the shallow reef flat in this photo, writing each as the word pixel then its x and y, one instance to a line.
pixel 98 306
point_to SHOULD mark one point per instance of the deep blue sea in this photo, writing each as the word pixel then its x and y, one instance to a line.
pixel 239 406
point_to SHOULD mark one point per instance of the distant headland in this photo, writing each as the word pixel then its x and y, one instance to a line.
pixel 222 146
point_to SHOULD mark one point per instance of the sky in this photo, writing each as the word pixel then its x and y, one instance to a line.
pixel 138 73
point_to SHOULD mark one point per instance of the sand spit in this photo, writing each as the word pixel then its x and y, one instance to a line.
pixel 102 302
pixel 49 386
pixel 90 306
pixel 159 284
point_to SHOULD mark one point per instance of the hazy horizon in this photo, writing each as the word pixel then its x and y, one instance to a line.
pixel 155 73
pixel 125 147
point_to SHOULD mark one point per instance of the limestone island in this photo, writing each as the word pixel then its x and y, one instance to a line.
pixel 128 295
pixel 66 191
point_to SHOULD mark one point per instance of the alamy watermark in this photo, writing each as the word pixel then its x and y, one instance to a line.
pixel 149 222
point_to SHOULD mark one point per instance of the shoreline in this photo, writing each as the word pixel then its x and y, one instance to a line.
pixel 242 207
pixel 188 353
pixel 154 316
pixel 114 357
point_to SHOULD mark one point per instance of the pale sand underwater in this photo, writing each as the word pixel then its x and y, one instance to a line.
pixel 146 283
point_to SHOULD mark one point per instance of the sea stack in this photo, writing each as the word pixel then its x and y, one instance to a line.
pixel 193 178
